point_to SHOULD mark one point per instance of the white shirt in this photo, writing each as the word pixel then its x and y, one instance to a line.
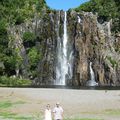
pixel 48 115
pixel 58 113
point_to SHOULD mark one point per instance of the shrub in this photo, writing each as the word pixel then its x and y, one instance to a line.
pixel 34 56
pixel 112 61
pixel 19 20
pixel 3 27
pixel 28 36
pixel 11 81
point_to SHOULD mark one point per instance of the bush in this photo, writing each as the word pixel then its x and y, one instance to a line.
pixel 34 56
pixel 3 27
pixel 28 36
pixel 19 20
pixel 112 61
pixel 11 81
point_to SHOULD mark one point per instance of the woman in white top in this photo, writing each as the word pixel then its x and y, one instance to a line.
pixel 48 115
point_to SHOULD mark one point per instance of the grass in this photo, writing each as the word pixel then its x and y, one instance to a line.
pixel 5 104
pixel 112 112
pixel 6 114
pixel 82 119
pixel 8 104
pixel 37 116
pixel 9 115
pixel 20 102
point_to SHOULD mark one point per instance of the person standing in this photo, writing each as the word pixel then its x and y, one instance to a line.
pixel 48 115
pixel 58 112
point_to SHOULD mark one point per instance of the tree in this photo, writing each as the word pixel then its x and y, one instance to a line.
pixel 106 9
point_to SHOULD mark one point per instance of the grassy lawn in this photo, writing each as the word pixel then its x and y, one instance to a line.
pixel 83 119
pixel 13 116
pixel 112 112
pixel 5 113
pixel 8 104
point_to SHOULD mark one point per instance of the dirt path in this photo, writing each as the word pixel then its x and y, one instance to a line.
pixel 79 103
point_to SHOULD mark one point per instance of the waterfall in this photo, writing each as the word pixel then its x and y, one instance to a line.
pixel 92 75
pixel 92 81
pixel 109 29
pixel 64 56
pixel 79 19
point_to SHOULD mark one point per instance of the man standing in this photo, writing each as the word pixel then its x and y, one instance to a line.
pixel 58 112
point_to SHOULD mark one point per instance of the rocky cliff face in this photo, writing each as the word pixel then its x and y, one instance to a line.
pixel 91 41
pixel 44 28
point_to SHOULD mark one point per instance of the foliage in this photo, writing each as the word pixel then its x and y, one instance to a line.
pixel 28 36
pixel 13 81
pixel 34 56
pixel 17 58
pixel 3 26
pixel 12 13
pixel 106 9
pixel 40 5
pixel 17 11
pixel 112 61
pixel 3 33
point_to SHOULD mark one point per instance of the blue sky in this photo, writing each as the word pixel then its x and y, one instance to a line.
pixel 64 4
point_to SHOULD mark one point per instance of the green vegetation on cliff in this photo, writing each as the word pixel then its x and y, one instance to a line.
pixel 106 9
pixel 12 13
pixel 17 11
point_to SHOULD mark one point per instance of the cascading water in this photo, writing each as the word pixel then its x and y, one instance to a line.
pixel 92 75
pixel 109 29
pixel 92 81
pixel 79 19
pixel 64 57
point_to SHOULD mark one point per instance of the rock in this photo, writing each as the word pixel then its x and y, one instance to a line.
pixel 93 42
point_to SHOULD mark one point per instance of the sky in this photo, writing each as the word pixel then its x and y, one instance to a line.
pixel 64 4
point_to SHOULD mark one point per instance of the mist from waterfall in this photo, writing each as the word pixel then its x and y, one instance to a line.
pixel 64 56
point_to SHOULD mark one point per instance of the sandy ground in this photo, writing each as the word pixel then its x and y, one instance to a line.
pixel 76 103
